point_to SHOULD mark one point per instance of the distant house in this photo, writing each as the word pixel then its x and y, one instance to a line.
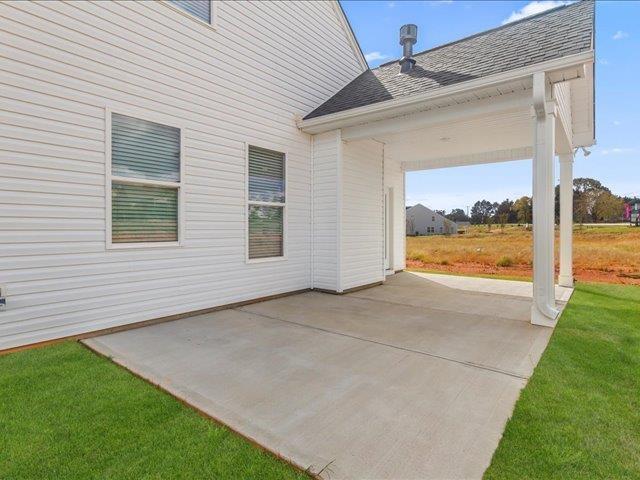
pixel 424 221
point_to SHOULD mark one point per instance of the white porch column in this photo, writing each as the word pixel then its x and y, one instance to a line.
pixel 543 311
pixel 566 220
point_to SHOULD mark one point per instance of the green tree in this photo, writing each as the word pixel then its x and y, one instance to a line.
pixel 523 209
pixel 608 208
pixel 585 193
pixel 457 215
pixel 482 212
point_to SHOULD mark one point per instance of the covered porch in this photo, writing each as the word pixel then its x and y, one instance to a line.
pixel 540 113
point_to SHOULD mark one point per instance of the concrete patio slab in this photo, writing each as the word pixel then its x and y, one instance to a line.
pixel 490 285
pixel 373 384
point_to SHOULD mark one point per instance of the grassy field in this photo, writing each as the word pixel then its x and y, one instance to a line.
pixel 603 254
pixel 67 413
pixel 579 415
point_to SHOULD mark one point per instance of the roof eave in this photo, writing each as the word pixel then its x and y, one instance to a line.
pixel 562 69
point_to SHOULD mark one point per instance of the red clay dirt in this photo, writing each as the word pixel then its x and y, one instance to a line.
pixel 525 271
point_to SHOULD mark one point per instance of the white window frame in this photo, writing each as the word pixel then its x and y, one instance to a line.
pixel 213 23
pixel 248 203
pixel 110 178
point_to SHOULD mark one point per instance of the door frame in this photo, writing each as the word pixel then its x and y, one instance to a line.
pixel 387 251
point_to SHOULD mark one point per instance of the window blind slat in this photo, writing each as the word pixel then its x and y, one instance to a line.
pixel 266 175
pixel 142 149
pixel 142 213
pixel 265 231
pixel 198 8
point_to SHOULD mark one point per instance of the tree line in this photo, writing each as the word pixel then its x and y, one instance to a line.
pixel 592 203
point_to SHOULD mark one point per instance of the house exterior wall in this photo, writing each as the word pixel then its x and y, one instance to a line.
pixel 362 214
pixel 326 150
pixel 64 64
pixel 424 221
pixel 350 180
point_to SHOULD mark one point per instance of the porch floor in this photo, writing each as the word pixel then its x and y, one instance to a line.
pixel 412 379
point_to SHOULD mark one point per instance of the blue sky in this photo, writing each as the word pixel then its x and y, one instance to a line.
pixel 615 160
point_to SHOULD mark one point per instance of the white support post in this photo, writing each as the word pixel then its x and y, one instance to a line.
pixel 566 220
pixel 543 310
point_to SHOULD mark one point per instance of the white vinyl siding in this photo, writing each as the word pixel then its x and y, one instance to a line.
pixel 349 181
pixel 362 214
pixel 266 193
pixel 62 64
pixel 198 8
pixel 145 181
pixel 326 149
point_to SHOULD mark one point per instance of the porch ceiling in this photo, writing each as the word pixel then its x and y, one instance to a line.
pixel 499 136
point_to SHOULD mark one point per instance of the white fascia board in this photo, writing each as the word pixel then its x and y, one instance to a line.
pixel 395 107
pixel 583 140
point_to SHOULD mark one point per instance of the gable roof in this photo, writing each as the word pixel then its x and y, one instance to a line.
pixel 418 207
pixel 549 35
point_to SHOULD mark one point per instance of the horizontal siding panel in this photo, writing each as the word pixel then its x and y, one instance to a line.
pixel 31 146
pixel 46 212
pixel 37 122
pixel 17 198
pixel 50 175
pixel 141 47
pixel 51 163
pixel 39 186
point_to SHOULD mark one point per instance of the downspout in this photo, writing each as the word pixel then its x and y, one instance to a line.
pixel 542 107
pixel 339 187
pixel 312 227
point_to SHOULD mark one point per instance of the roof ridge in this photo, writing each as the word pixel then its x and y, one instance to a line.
pixel 485 32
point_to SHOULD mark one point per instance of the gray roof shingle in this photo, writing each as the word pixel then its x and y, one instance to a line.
pixel 553 34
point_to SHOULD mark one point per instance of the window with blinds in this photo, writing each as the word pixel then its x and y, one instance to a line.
pixel 145 181
pixel 198 8
pixel 266 203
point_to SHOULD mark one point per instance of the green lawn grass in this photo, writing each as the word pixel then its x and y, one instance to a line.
pixel 579 415
pixel 68 413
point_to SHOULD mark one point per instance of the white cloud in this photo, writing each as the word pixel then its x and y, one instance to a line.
pixel 440 2
pixel 619 35
pixel 533 8
pixel 603 61
pixel 618 151
pixel 369 57
pixel 617 122
pixel 391 4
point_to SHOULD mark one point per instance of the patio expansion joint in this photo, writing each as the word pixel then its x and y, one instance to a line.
pixel 436 309
pixel 389 345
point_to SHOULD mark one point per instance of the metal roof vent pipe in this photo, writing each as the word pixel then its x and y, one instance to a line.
pixel 408 38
